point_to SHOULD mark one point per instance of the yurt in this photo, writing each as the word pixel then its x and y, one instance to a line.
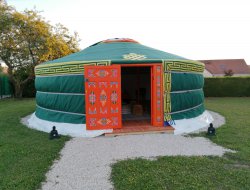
pixel 115 82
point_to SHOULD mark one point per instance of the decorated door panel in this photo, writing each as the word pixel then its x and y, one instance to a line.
pixel 157 94
pixel 103 97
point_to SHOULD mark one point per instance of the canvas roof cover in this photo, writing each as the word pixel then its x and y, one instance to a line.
pixel 117 50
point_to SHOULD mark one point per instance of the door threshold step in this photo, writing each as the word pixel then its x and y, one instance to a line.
pixel 140 131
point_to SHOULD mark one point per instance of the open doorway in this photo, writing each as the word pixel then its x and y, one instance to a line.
pixel 136 95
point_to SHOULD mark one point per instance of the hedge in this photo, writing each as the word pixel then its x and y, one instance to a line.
pixel 29 90
pixel 227 87
pixel 5 86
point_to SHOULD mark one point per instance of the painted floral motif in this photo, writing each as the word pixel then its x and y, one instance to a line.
pixel 114 84
pixel 158 81
pixel 92 98
pixel 91 73
pixel 158 105
pixel 103 110
pixel 103 98
pixel 158 93
pixel 115 121
pixel 102 73
pixel 158 119
pixel 104 121
pixel 114 110
pixel 114 97
pixel 92 122
pixel 92 111
pixel 103 84
pixel 92 84
pixel 158 69
pixel 114 73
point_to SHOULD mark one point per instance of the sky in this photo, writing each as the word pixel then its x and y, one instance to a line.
pixel 194 29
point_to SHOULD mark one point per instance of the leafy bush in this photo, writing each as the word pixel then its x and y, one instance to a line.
pixel 227 87
pixel 29 90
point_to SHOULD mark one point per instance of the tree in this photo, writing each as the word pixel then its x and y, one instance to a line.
pixel 1 68
pixel 229 73
pixel 28 40
pixel 3 2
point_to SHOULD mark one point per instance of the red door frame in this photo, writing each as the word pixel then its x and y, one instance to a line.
pixel 156 112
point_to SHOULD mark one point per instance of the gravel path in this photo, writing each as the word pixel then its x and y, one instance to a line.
pixel 85 162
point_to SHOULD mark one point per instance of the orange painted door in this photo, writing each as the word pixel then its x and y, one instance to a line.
pixel 103 97
pixel 157 96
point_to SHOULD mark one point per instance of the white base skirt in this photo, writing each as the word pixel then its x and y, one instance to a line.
pixel 183 126
pixel 73 130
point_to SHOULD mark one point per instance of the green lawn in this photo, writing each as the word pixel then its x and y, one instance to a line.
pixel 232 171
pixel 25 154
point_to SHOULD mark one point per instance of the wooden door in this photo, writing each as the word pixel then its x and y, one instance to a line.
pixel 103 97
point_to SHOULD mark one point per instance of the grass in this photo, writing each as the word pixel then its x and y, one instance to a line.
pixel 25 154
pixel 232 171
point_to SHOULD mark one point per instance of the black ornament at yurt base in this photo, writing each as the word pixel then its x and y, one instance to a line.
pixel 211 130
pixel 54 134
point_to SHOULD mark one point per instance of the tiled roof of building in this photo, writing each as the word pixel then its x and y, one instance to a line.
pixel 238 66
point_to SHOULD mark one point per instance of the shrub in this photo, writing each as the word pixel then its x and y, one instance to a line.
pixel 29 90
pixel 5 86
pixel 227 87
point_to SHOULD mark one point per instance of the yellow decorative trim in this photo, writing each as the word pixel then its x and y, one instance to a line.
pixel 66 68
pixel 74 62
pixel 167 97
pixel 176 65
pixel 183 66
pixel 184 61
pixel 70 62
